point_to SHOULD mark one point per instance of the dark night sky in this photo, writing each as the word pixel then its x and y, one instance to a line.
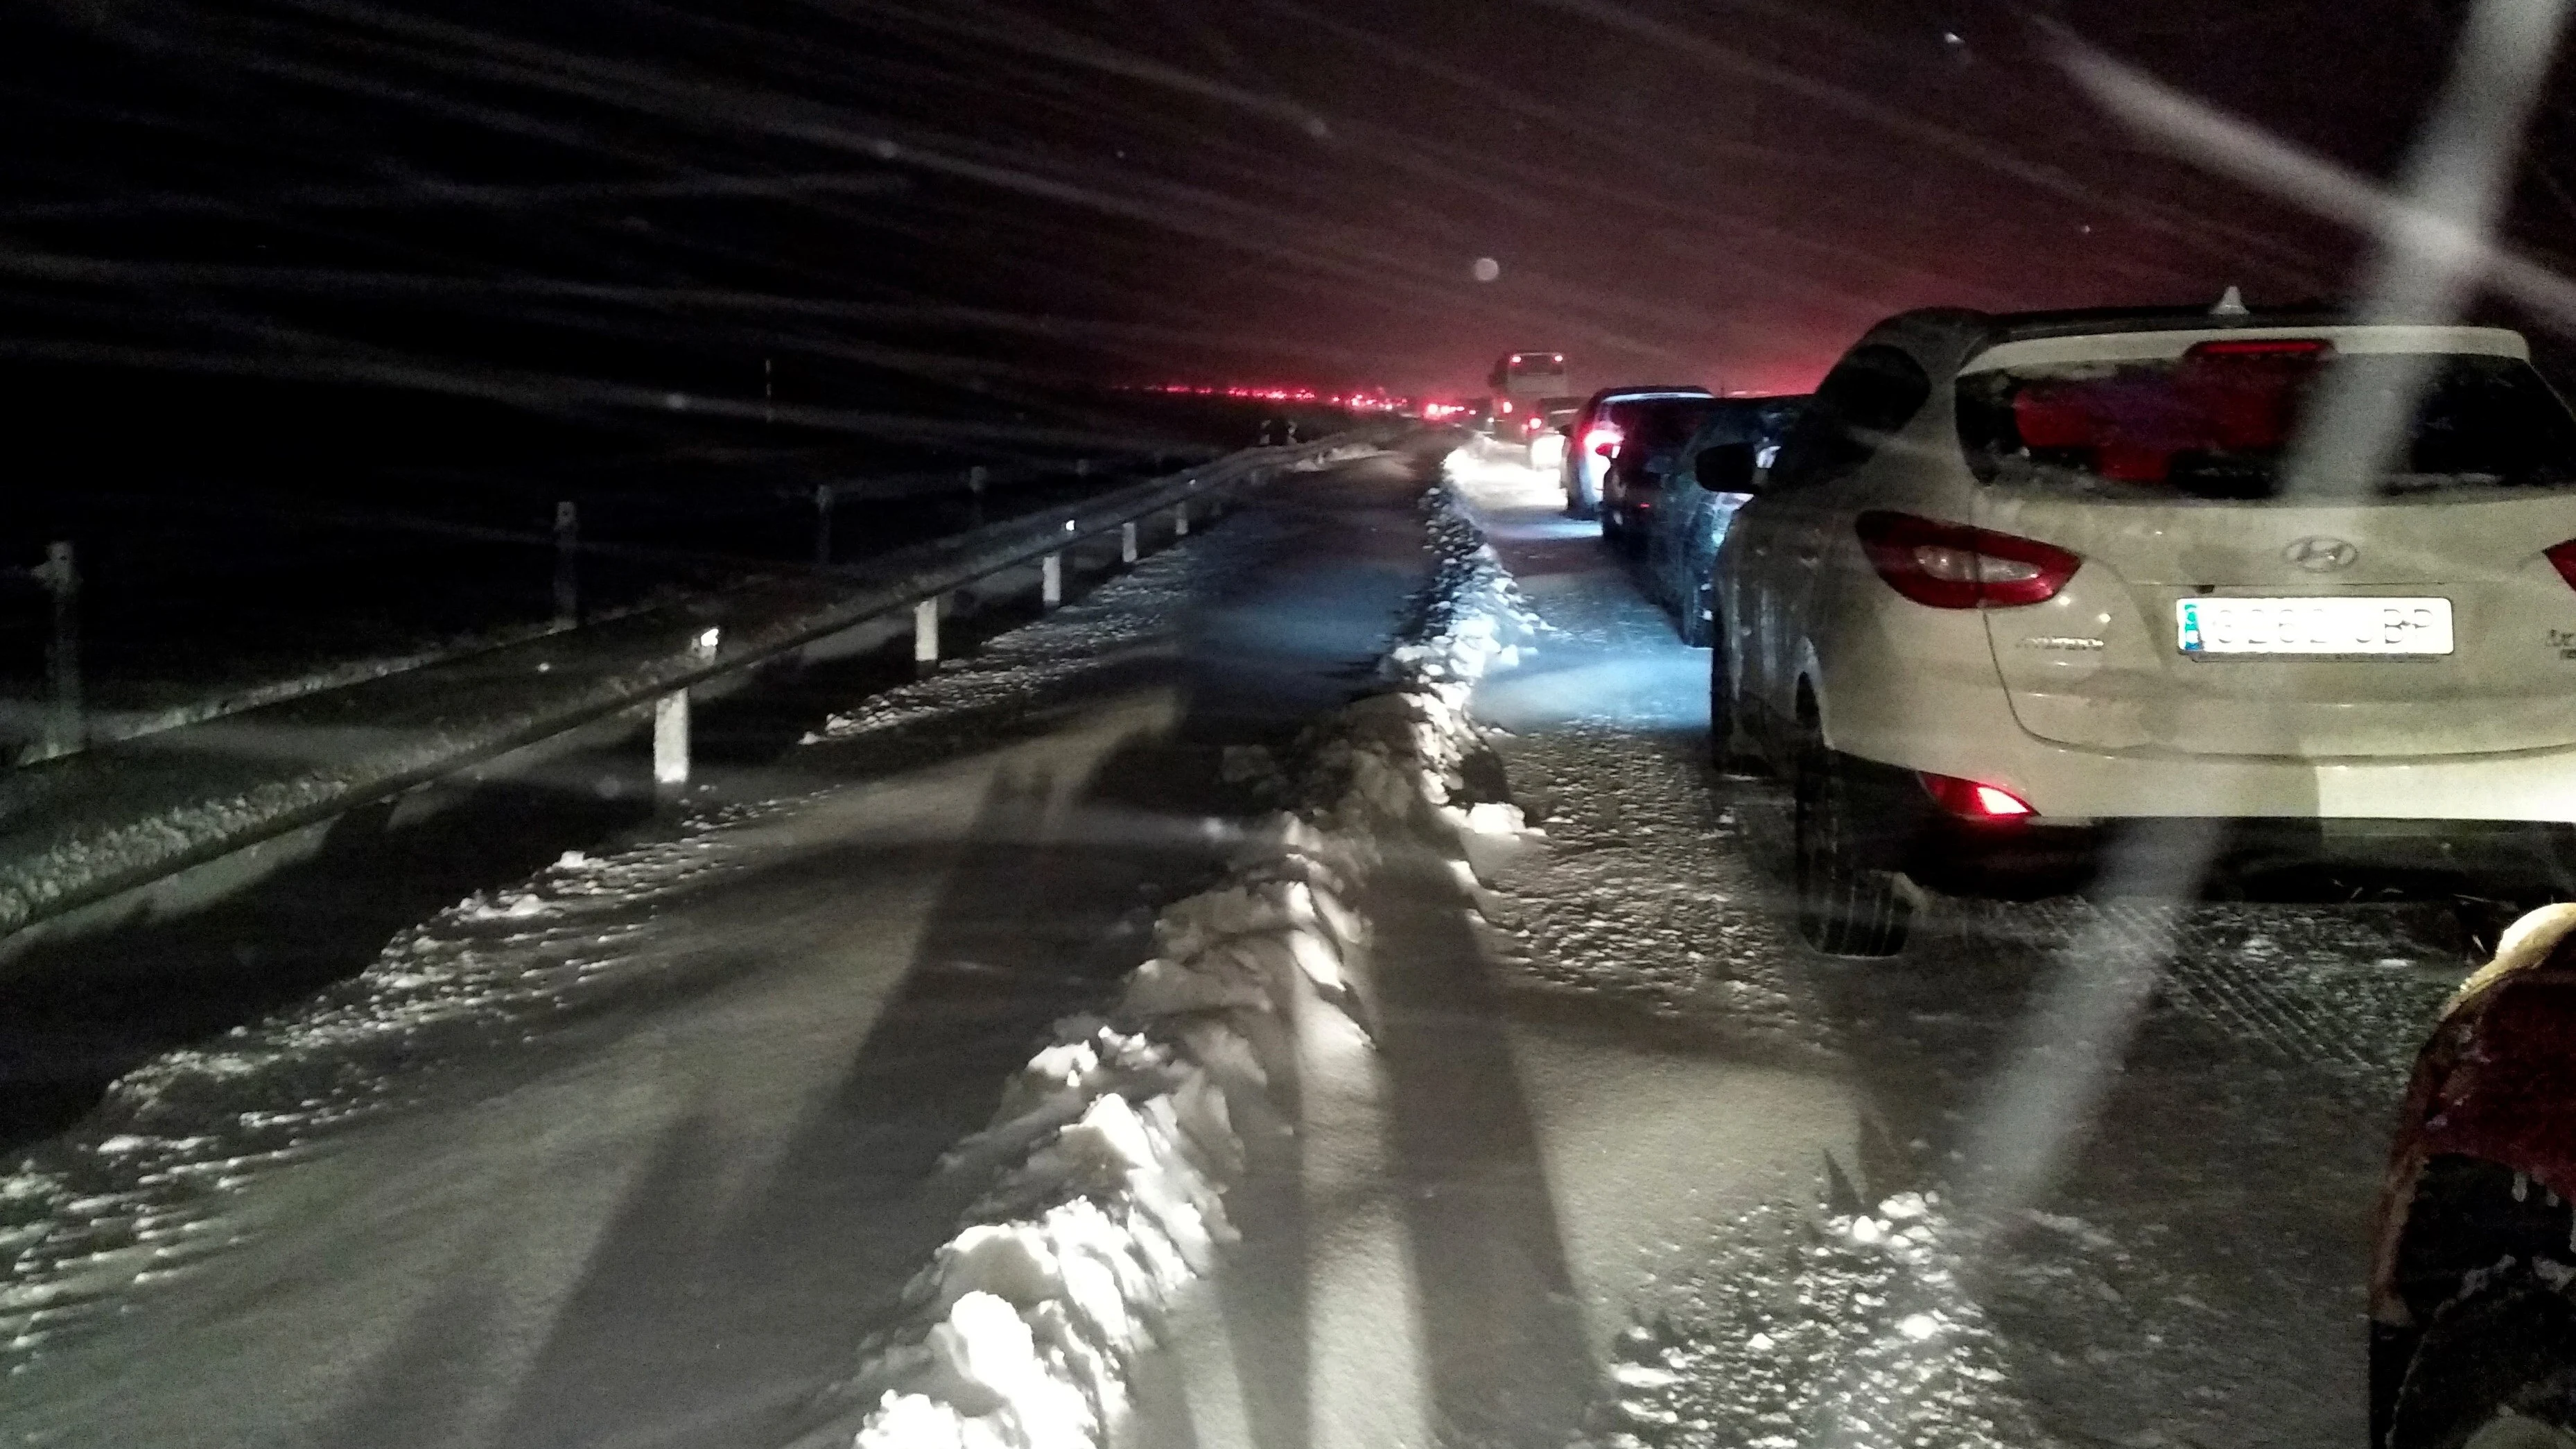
pixel 593 201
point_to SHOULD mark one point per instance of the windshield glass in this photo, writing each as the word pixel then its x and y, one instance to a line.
pixel 2219 424
pixel 1659 426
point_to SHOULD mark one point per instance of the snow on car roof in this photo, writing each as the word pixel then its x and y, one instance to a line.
pixel 2159 343
pixel 1627 394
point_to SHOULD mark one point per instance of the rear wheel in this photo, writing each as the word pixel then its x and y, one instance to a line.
pixel 1847 905
pixel 2494 1371
pixel 1722 755
pixel 1696 626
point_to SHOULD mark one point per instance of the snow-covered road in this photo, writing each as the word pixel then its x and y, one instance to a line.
pixel 1635 1168
pixel 638 1150
pixel 1737 1139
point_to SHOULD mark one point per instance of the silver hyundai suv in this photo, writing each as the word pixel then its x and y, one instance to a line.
pixel 2016 582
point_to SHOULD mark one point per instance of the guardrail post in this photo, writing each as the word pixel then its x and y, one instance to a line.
pixel 671 724
pixel 925 632
pixel 60 574
pixel 1180 520
pixel 567 563
pixel 823 525
pixel 1127 542
pixel 1051 580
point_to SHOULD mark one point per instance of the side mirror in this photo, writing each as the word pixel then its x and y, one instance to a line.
pixel 1606 450
pixel 1726 468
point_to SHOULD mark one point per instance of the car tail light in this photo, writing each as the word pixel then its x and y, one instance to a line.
pixel 1953 566
pixel 1603 440
pixel 1974 800
pixel 2563 557
pixel 1505 405
pixel 2316 347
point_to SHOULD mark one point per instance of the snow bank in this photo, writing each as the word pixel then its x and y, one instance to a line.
pixel 1113 1145
pixel 1129 612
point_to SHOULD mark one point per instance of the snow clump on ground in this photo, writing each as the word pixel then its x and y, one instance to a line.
pixel 1113 1146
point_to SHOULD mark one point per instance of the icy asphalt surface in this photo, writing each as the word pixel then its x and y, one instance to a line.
pixel 1739 1138
pixel 634 1152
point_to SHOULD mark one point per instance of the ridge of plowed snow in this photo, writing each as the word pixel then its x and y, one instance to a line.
pixel 1121 1134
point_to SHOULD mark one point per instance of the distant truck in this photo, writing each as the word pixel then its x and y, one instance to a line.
pixel 1521 381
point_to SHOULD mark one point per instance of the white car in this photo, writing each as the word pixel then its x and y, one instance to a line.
pixel 2018 583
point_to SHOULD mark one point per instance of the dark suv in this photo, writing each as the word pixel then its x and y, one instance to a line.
pixel 1593 439
pixel 1689 519
pixel 1652 432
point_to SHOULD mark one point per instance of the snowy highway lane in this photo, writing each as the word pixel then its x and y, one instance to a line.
pixel 2192 1273
pixel 641 1149
pixel 638 1150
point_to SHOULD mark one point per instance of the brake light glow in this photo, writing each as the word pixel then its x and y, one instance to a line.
pixel 2261 347
pixel 1953 566
pixel 1602 440
pixel 1974 800
pixel 1506 405
pixel 2562 556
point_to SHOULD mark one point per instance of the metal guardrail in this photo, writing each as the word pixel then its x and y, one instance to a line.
pixel 57 723
pixel 56 858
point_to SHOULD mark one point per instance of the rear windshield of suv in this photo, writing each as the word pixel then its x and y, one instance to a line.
pixel 1659 425
pixel 2220 424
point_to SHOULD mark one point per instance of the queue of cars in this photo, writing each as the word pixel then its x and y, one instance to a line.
pixel 2261 592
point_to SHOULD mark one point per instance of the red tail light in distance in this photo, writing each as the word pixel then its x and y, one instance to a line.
pixel 1953 566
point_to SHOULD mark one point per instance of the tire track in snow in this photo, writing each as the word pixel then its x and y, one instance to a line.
pixel 1658 891
pixel 2353 997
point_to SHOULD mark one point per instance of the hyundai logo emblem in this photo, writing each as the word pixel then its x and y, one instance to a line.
pixel 2322 555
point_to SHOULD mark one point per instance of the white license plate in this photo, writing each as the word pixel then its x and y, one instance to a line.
pixel 2340 626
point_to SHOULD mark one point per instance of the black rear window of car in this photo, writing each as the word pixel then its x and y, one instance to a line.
pixel 1659 424
pixel 2222 425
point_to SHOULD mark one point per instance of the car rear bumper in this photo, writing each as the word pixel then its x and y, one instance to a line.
pixel 1955 721
pixel 2505 856
pixel 2536 786
pixel 1926 696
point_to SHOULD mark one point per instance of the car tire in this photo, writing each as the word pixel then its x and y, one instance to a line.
pixel 2493 1371
pixel 1693 621
pixel 1722 754
pixel 1847 905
